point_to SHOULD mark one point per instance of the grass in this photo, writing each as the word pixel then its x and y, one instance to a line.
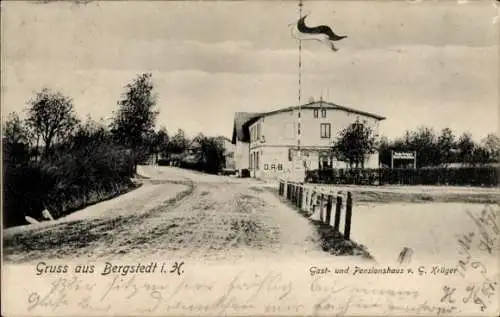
pixel 332 241
pixel 57 240
pixel 412 197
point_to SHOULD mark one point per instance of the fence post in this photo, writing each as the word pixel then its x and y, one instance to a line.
pixel 299 200
pixel 321 216
pixel 348 215
pixel 285 192
pixel 301 192
pixel 329 209
pixel 308 199
pixel 338 210
pixel 311 201
pixel 296 194
pixel 304 199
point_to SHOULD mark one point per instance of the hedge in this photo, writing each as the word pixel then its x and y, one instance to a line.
pixel 469 176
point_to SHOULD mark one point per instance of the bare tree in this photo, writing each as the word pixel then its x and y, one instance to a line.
pixel 51 117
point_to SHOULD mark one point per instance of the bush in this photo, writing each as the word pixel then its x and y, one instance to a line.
pixel 69 181
pixel 25 191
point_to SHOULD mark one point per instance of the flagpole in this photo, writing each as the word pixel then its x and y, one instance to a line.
pixel 300 85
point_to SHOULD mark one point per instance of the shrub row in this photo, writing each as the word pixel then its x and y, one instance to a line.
pixel 471 176
pixel 67 182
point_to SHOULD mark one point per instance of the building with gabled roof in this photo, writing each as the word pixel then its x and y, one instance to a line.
pixel 265 142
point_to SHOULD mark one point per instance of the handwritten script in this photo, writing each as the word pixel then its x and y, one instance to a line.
pixel 269 293
pixel 470 286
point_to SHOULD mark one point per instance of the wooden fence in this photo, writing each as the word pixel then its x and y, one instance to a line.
pixel 308 199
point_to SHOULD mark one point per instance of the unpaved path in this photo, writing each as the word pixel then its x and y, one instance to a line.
pixel 212 218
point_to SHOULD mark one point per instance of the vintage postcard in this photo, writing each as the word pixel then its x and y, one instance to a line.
pixel 250 158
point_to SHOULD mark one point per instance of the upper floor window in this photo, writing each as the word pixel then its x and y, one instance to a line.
pixel 315 113
pixel 323 113
pixel 325 130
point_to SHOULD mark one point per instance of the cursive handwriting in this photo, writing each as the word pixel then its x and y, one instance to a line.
pixel 485 240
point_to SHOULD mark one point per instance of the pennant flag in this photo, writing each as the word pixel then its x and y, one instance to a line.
pixel 321 33
pixel 495 5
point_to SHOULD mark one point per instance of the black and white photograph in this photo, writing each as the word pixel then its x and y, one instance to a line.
pixel 236 158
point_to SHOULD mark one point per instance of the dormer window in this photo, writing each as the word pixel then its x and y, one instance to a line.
pixel 323 113
pixel 315 113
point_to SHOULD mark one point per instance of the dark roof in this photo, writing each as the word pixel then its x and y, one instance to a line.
pixel 240 118
pixel 243 119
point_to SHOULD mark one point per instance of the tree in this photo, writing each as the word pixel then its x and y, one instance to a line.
pixel 424 142
pixel 445 144
pixel 212 157
pixel 179 142
pixel 135 118
pixel 354 143
pixel 14 129
pixel 91 132
pixel 15 140
pixel 491 143
pixel 51 117
pixel 161 142
pixel 480 156
pixel 466 146
pixel 384 151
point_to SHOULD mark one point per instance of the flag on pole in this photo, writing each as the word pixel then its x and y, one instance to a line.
pixel 321 33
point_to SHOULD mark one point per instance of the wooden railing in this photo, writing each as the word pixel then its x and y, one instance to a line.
pixel 309 198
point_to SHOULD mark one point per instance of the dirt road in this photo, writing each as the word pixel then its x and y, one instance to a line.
pixel 176 213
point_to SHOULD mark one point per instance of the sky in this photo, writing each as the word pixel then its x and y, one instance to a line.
pixel 432 63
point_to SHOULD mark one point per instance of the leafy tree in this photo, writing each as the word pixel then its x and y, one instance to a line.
pixel 466 146
pixel 480 156
pixel 14 129
pixel 179 142
pixel 212 157
pixel 90 132
pixel 354 143
pixel 161 142
pixel 135 118
pixel 491 143
pixel 384 151
pixel 51 118
pixel 424 142
pixel 445 144
pixel 15 140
